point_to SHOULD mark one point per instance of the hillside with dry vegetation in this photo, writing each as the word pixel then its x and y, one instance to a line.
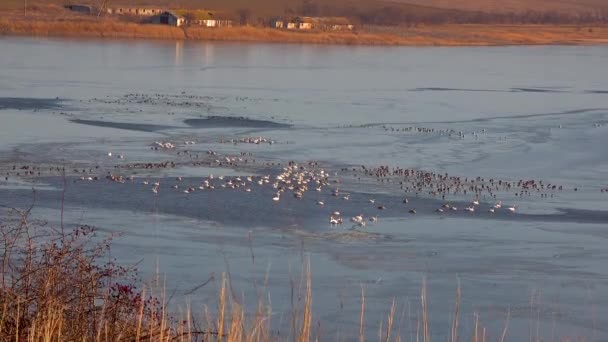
pixel 378 12
pixel 376 22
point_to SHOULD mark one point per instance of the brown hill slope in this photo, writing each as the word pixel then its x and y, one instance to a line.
pixel 274 6
pixel 565 6
pixel 258 7
pixel 376 12
pixel 466 5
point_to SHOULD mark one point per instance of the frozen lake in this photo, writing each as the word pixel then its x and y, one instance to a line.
pixel 469 120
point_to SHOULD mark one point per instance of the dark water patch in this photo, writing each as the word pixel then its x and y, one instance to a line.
pixel 28 103
pixel 262 67
pixel 456 89
pixel 528 116
pixel 535 90
pixel 503 117
pixel 510 90
pixel 596 91
pixel 230 122
pixel 123 125
pixel 584 216
pixel 564 215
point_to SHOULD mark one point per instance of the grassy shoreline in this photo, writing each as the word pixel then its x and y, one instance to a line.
pixel 440 35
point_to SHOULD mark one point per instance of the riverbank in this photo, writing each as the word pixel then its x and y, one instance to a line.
pixel 439 35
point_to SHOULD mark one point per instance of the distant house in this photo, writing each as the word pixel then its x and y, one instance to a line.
pixel 300 23
pixel 208 23
pixel 223 23
pixel 135 11
pixel 84 9
pixel 317 23
pixel 203 18
pixel 277 23
pixel 305 23
pixel 169 18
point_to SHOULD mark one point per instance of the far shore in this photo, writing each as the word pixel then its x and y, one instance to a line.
pixel 424 35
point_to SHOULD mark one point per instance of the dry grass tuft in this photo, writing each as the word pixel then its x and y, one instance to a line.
pixel 57 286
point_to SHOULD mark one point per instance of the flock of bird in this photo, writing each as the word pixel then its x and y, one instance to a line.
pixel 295 180
pixel 422 130
pixel 181 100
pixel 335 218
pixel 248 140
pixel 441 185
pixel 426 130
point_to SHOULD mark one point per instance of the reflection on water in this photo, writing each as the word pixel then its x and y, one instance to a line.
pixel 208 57
pixel 179 52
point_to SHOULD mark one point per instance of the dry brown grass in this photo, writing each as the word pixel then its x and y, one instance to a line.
pixel 255 34
pixel 440 35
pixel 88 29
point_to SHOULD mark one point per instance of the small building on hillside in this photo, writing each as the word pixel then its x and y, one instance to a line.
pixel 84 9
pixel 305 23
pixel 277 23
pixel 204 18
pixel 223 23
pixel 316 23
pixel 300 23
pixel 169 18
pixel 135 11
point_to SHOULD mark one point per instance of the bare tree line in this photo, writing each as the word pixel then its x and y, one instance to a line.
pixel 397 16
pixel 400 15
